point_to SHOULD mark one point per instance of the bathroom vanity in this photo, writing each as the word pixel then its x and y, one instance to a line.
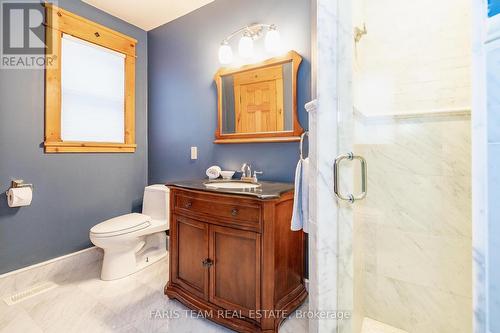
pixel 233 256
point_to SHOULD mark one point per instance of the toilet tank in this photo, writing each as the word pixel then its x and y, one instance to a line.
pixel 156 202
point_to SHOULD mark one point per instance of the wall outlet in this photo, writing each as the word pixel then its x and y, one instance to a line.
pixel 194 153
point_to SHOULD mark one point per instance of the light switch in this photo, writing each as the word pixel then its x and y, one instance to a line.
pixel 194 153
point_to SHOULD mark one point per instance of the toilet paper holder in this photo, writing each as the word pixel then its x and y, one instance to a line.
pixel 17 183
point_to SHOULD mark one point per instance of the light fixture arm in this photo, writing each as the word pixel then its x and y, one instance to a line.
pixel 254 30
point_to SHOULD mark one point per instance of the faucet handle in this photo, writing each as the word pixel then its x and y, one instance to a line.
pixel 255 173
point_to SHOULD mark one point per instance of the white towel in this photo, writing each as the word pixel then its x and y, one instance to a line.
pixel 305 195
pixel 300 213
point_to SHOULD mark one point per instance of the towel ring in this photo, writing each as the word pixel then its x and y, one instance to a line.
pixel 301 146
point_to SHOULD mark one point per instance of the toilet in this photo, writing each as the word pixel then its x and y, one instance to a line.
pixel 134 241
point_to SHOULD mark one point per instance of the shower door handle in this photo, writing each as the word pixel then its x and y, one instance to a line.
pixel 364 184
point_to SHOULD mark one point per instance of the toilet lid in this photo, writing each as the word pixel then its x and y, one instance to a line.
pixel 122 224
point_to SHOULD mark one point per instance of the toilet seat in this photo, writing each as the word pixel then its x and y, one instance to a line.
pixel 120 225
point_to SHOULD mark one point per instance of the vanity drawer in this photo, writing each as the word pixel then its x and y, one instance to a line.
pixel 219 208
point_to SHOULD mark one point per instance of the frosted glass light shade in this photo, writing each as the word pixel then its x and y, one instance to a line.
pixel 225 54
pixel 273 41
pixel 92 92
pixel 245 47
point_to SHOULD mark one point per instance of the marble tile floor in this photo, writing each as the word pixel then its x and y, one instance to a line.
pixel 84 303
pixel 373 326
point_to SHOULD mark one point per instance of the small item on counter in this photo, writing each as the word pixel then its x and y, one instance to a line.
pixel 227 175
pixel 213 172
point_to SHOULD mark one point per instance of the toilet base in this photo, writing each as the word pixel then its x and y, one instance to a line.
pixel 119 263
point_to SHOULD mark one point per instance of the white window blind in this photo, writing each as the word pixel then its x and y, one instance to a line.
pixel 93 92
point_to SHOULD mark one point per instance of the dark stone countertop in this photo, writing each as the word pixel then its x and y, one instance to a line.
pixel 267 190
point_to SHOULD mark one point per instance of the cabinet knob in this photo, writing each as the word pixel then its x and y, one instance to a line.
pixel 234 211
pixel 207 262
pixel 188 204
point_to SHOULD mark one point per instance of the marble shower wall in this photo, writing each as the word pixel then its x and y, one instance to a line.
pixel 493 152
pixel 416 56
pixel 412 237
pixel 331 46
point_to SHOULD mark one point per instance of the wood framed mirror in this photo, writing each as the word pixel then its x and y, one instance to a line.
pixel 258 102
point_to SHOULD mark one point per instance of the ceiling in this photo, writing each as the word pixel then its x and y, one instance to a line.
pixel 148 14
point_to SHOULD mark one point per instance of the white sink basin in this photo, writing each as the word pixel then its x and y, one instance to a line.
pixel 232 185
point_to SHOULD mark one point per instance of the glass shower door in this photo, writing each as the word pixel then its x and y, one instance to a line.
pixel 403 174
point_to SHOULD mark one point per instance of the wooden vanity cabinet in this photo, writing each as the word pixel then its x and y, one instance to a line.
pixel 235 259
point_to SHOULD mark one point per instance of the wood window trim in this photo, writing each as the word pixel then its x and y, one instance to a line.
pixel 59 21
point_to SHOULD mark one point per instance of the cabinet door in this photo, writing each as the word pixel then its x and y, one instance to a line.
pixel 235 273
pixel 189 251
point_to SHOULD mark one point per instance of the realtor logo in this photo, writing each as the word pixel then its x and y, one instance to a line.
pixel 23 35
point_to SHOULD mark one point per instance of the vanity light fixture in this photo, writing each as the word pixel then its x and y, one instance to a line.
pixel 273 40
pixel 245 46
pixel 225 53
pixel 250 33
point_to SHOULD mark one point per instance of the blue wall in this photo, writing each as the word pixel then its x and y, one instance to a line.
pixel 182 95
pixel 72 191
pixel 493 7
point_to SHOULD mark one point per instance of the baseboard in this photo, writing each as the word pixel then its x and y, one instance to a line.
pixel 47 262
pixel 56 270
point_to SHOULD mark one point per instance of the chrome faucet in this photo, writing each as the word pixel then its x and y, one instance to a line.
pixel 246 171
